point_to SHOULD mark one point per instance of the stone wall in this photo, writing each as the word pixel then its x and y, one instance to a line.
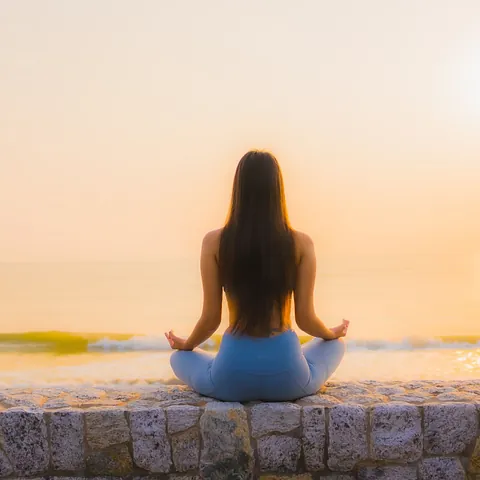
pixel 364 430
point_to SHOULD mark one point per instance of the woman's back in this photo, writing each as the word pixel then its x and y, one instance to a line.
pixel 280 318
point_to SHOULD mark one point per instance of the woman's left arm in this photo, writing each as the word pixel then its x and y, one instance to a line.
pixel 212 296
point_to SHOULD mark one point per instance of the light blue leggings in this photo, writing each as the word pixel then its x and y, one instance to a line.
pixel 247 368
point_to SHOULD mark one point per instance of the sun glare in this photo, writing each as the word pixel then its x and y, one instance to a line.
pixel 467 80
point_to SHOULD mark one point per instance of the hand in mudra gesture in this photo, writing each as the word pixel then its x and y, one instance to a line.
pixel 176 343
pixel 342 329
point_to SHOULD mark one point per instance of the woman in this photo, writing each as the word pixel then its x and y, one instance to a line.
pixel 260 262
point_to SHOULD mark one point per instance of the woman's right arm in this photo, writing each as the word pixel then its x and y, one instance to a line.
pixel 305 315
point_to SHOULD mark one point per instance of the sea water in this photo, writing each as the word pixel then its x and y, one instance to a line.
pixel 146 360
pixel 411 318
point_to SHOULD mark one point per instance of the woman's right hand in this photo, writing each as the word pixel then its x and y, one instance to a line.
pixel 341 330
pixel 176 343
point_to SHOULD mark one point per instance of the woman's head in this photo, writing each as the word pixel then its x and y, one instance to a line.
pixel 258 189
pixel 257 251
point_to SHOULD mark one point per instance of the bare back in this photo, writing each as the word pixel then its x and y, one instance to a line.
pixel 277 326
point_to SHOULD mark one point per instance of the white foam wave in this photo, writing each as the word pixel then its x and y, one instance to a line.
pixel 139 344
pixel 406 344
pixel 160 343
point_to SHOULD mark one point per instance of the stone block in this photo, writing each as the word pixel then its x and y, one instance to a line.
pixel 270 418
pixel 113 461
pixel 416 398
pixel 449 428
pixel 178 477
pixel 105 428
pixel 441 468
pixel 5 466
pixel 226 452
pixel 346 390
pixel 67 440
pixel 278 453
pixel 182 417
pixel 314 437
pixel 186 450
pixel 300 476
pixel 388 472
pixel 338 476
pixel 321 400
pixel 474 464
pixel 347 431
pixel 151 449
pixel 396 432
pixel 389 390
pixel 366 399
pixel 166 396
pixel 23 435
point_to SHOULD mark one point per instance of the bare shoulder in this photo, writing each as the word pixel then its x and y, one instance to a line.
pixel 211 240
pixel 303 240
pixel 303 243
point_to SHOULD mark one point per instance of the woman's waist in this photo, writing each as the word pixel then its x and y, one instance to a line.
pixel 284 335
pixel 244 352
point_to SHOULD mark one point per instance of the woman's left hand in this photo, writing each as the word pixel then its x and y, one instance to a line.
pixel 176 343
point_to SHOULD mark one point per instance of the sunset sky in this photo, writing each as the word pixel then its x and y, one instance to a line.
pixel 121 124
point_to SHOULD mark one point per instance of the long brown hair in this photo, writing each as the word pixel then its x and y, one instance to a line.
pixel 257 249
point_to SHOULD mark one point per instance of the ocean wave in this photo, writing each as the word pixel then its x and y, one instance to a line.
pixel 153 343
pixel 140 344
pixel 66 343
pixel 412 343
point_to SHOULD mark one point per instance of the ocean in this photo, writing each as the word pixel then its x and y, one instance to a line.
pixel 54 358
pixel 415 317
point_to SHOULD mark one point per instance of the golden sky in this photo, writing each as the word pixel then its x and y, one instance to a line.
pixel 121 123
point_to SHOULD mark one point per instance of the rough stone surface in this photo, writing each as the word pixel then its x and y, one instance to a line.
pixel 5 466
pixel 396 432
pixel 414 398
pixel 301 476
pixel 322 400
pixel 181 477
pixel 105 428
pixel 67 440
pixel 166 396
pixel 441 468
pixel 449 428
pixel 393 472
pixel 389 390
pixel 274 418
pixel 153 432
pixel 226 452
pixel 474 465
pixel 334 476
pixel 160 395
pixel 278 453
pixel 182 417
pixel 23 436
pixel 458 397
pixel 314 437
pixel 114 461
pixel 366 399
pixel 344 391
pixel 151 449
pixel 186 450
pixel 348 437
